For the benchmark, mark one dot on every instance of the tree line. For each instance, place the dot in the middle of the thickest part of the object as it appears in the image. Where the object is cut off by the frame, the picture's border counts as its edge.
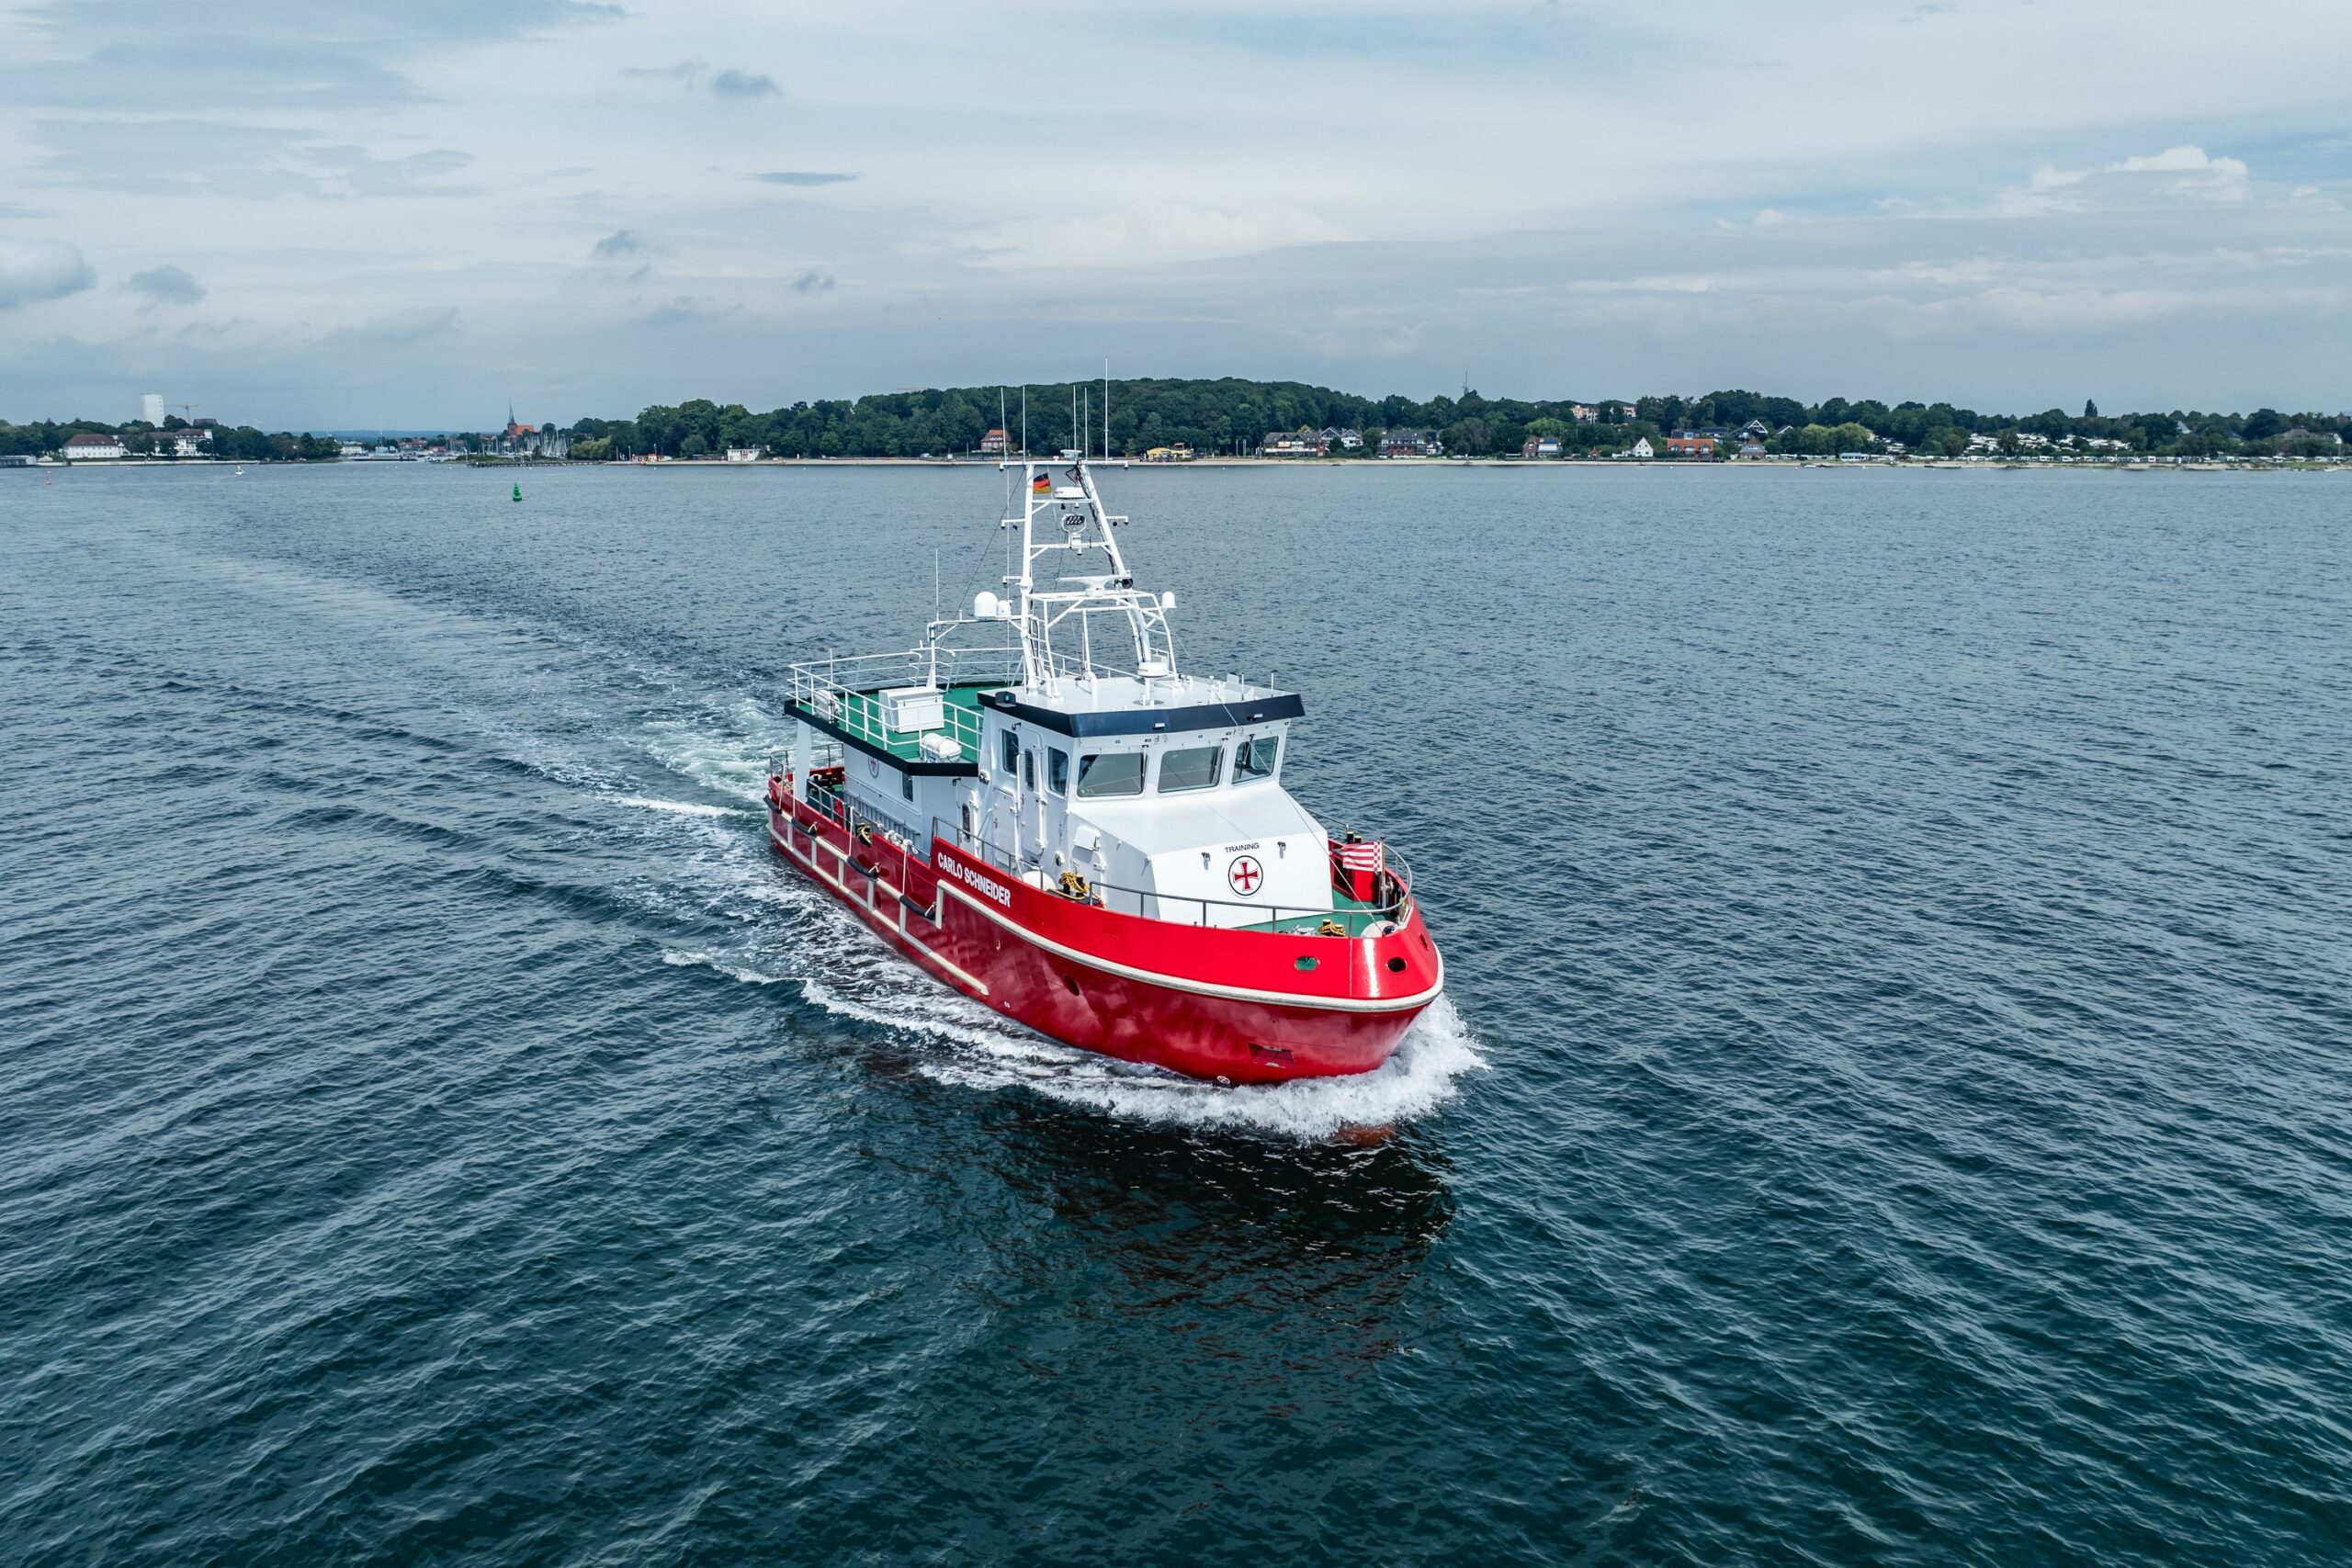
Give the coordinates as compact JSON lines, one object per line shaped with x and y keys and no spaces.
{"x":1232,"y":416}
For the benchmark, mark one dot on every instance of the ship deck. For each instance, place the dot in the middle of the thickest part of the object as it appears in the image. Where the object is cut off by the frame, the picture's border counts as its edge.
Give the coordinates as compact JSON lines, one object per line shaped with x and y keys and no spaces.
{"x":1353,"y":913}
{"x":860,"y":715}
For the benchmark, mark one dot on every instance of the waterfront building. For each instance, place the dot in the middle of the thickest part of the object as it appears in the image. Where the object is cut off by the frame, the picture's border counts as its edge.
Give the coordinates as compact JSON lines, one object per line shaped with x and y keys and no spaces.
{"x":1300,"y":443}
{"x":88,"y":447}
{"x":1540,"y":446}
{"x":1409,"y":442}
{"x":1641,"y":449}
{"x":993,"y":444}
{"x":745,"y":454}
{"x":1691,"y":445}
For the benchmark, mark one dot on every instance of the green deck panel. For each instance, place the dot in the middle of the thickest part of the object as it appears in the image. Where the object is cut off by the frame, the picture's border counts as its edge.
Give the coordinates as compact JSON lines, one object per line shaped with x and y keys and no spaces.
{"x":1354,"y":914}
{"x":861,"y":715}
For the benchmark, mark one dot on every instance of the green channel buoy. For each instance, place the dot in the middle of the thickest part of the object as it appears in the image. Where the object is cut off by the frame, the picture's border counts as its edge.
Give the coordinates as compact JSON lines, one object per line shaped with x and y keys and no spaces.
{"x":519,"y":489}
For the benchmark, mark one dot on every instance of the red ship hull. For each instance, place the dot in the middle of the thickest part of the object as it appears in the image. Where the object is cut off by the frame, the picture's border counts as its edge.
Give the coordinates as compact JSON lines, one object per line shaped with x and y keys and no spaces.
{"x":1214,"y":1003}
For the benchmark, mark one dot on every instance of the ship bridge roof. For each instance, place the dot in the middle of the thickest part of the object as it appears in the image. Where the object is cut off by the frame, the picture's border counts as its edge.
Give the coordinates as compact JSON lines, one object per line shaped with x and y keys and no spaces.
{"x":1215,"y":821}
{"x":1129,"y":705}
{"x":1098,"y":705}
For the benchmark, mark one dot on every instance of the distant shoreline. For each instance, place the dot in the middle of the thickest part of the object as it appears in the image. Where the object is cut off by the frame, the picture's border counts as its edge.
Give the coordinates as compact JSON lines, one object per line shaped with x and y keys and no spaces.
{"x":1423,"y":464}
{"x":1782,"y":464}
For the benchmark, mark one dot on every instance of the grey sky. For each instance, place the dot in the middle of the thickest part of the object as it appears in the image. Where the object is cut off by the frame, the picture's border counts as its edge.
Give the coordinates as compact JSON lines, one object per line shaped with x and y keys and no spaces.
{"x":324,"y":215}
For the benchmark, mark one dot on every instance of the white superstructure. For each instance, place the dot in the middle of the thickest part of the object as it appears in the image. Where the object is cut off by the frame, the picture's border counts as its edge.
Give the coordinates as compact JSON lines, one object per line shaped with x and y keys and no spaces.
{"x":1054,"y":725}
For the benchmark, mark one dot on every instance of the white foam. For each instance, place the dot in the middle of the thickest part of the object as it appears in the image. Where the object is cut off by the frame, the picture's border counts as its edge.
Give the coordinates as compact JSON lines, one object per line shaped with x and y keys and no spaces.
{"x":680,"y":960}
{"x":734,"y":760}
{"x":685,"y":807}
{"x":1419,"y":1078}
{"x":989,"y":1052}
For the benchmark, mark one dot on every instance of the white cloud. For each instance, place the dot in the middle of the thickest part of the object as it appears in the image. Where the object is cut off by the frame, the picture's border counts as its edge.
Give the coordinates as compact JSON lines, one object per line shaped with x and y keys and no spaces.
{"x":2177,"y":173}
{"x":744,"y":84}
{"x":166,"y":285}
{"x":1149,"y":235}
{"x":1204,"y":188}
{"x":33,"y":272}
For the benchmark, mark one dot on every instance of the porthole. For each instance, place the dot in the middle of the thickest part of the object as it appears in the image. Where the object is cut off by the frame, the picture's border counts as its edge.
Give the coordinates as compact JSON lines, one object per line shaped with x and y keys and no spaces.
{"x":1071,"y":984}
{"x":1303,"y":962}
{"x":1396,"y":966}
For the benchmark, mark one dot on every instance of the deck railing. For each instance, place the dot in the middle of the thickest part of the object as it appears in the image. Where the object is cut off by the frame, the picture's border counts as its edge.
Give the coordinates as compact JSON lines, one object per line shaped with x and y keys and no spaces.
{"x":833,"y":800}
{"x":844,"y":692}
{"x":1183,"y":908}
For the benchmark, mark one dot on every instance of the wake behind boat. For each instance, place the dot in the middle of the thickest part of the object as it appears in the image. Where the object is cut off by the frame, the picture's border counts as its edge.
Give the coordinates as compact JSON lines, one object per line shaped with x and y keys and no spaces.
{"x":1037,"y":807}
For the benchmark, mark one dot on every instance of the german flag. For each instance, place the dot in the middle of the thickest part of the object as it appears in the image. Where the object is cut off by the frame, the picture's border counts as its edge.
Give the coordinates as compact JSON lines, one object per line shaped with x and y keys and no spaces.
{"x":1041,"y":485}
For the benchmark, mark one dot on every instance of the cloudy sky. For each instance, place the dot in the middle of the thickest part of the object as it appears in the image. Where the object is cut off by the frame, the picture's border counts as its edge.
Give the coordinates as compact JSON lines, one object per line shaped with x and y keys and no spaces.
{"x":310,"y":214}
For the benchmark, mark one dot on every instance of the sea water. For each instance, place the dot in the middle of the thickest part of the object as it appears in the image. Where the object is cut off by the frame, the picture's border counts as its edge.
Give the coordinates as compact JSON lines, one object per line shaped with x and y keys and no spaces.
{"x":1893,"y":1103}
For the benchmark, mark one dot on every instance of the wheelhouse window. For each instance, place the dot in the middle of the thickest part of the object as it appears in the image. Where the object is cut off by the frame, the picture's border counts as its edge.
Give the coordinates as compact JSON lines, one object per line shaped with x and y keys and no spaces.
{"x":1111,"y":772}
{"x":1057,"y":770}
{"x":1009,"y":748}
{"x":1255,"y":757}
{"x":1197,"y":767}
{"x":1029,"y":771}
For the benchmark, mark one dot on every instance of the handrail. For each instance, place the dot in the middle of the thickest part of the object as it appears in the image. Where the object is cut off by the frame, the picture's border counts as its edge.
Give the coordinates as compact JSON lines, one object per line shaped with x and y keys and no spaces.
{"x":1395,"y":908}
{"x":861,"y":674}
{"x":818,"y":686}
{"x":850,"y":814}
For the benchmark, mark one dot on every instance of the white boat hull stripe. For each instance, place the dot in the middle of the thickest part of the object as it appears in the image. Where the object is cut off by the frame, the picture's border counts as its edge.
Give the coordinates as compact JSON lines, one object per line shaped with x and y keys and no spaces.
{"x":978,"y":985}
{"x":1207,"y":987}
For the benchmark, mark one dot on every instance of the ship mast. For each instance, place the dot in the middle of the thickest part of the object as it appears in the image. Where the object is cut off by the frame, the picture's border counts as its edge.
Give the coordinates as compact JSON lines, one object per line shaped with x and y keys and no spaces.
{"x":1063,"y":521}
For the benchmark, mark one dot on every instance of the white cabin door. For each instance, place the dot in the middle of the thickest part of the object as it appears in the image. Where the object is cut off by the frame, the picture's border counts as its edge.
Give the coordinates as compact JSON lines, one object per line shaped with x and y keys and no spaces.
{"x":1006,"y":829}
{"x":1033,"y":806}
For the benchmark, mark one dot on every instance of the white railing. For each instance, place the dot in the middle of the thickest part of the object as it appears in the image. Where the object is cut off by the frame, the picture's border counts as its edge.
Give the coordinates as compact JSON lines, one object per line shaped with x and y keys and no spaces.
{"x":845,"y":693}
{"x":844,"y":690}
{"x":1395,"y":903}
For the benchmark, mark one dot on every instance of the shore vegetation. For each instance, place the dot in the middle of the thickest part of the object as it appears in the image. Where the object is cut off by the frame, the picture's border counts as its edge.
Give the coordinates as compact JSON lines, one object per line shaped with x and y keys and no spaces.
{"x":1231,"y":417}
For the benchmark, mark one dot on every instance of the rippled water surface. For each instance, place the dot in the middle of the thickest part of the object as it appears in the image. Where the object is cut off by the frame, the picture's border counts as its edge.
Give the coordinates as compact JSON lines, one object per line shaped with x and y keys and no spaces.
{"x":1894,"y":1102}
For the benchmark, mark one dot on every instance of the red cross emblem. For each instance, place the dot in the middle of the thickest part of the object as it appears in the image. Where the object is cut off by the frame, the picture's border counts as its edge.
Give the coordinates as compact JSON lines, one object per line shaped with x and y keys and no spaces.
{"x":1244,"y":875}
